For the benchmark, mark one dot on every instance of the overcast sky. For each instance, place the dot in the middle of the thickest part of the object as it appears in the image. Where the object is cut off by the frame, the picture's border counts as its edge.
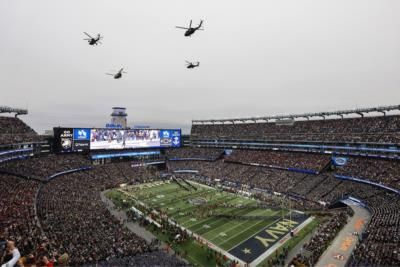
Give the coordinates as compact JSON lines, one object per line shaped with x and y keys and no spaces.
{"x":257,"y":57}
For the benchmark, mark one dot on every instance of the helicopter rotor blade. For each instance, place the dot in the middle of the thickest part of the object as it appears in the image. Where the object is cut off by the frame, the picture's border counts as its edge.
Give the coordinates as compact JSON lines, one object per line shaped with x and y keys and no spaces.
{"x":110,"y":74}
{"x":87,"y":39}
{"x":187,"y":62}
{"x":190,"y":25}
{"x":181,"y":27}
{"x":88,"y":35}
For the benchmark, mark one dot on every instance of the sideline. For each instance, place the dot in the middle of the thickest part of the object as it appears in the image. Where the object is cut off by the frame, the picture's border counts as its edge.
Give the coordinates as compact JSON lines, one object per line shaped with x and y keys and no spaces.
{"x":121,"y":216}
{"x":135,"y":227}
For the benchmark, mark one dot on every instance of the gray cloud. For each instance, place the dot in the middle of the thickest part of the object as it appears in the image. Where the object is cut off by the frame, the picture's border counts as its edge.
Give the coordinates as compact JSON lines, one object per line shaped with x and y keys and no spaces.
{"x":257,"y":58}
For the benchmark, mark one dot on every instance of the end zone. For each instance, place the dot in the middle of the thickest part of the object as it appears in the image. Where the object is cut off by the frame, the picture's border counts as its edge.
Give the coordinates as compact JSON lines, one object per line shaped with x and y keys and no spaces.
{"x":261,"y":245}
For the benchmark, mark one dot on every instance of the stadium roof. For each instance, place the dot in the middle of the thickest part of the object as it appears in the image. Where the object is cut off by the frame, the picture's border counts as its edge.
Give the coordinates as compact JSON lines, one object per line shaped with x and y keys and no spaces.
{"x":18,"y":111}
{"x":341,"y":113}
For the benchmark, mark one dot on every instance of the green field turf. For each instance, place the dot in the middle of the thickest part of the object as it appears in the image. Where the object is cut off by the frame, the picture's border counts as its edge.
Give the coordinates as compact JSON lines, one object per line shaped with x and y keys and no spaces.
{"x":225,"y":233}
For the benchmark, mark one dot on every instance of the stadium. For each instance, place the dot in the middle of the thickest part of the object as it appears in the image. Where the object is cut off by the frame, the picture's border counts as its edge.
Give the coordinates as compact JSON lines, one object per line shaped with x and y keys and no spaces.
{"x":312,"y":189}
{"x":260,"y":133}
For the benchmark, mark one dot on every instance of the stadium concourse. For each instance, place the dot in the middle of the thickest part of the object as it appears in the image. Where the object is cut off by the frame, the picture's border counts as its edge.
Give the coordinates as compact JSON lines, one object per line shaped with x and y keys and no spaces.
{"x":53,"y":209}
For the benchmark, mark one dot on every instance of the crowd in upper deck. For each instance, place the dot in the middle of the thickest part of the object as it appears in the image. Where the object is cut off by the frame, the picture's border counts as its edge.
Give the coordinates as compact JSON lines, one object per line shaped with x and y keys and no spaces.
{"x":381,"y":129}
{"x":13,"y":130}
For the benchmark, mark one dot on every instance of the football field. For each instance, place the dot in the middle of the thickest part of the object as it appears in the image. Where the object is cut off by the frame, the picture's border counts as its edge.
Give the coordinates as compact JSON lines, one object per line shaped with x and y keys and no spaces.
{"x":236,"y":224}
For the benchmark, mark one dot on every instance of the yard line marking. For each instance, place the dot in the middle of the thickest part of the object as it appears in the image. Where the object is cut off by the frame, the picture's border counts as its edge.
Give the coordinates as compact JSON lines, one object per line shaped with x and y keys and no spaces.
{"x":204,"y":220}
{"x":244,"y":230}
{"x":213,"y":221}
{"x":231,"y":228}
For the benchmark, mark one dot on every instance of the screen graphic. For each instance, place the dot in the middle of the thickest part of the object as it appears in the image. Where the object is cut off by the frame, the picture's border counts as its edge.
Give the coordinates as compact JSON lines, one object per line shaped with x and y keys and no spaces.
{"x":85,"y":139}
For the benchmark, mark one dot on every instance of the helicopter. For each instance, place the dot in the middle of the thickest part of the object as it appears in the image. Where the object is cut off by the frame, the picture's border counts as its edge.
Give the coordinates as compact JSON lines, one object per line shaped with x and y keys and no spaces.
{"x":190,"y":30}
{"x":191,"y":65}
{"x":92,"y":40}
{"x":118,"y":74}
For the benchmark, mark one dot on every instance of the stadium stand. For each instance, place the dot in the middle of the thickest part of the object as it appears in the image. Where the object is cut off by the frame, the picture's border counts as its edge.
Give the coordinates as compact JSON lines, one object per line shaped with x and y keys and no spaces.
{"x":35,"y":216}
{"x":194,"y":153}
{"x":301,"y":161}
{"x":156,"y":258}
{"x":68,"y":208}
{"x":382,"y":171}
{"x":87,"y":217}
{"x":43,"y":167}
{"x":13,"y":130}
{"x":18,"y":220}
{"x":380,"y":129}
{"x":380,"y":242}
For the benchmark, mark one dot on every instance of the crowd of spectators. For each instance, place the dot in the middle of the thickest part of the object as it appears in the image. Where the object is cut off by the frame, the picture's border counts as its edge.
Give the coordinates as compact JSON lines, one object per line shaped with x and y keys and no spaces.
{"x":18,"y":220}
{"x":241,"y":167}
{"x":89,"y":234}
{"x":298,"y":160}
{"x":386,"y":172}
{"x":13,"y":130}
{"x":154,"y":259}
{"x":273,"y":180}
{"x":193,"y":153}
{"x":250,"y":177}
{"x":87,"y":221}
{"x":380,"y":129}
{"x":63,"y":221}
{"x":43,"y":167}
{"x":379,"y":244}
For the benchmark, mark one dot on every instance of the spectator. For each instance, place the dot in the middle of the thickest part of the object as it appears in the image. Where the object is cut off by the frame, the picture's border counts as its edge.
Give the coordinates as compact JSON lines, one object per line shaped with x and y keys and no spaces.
{"x":12,"y":255}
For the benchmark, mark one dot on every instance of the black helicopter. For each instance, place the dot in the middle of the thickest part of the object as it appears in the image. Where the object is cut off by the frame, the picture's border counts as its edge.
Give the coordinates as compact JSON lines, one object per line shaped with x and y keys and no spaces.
{"x":118,"y":74}
{"x":190,"y":30}
{"x":92,"y":40}
{"x":191,"y":65}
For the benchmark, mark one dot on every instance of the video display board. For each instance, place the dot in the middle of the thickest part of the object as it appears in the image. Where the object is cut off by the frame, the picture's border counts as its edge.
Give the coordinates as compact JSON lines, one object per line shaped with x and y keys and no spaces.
{"x":71,"y":139}
{"x":85,"y":139}
{"x":133,"y":138}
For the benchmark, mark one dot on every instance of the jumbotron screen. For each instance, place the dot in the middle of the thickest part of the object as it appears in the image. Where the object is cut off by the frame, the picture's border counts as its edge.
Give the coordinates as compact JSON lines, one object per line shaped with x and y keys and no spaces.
{"x":71,"y":139}
{"x":77,"y":140}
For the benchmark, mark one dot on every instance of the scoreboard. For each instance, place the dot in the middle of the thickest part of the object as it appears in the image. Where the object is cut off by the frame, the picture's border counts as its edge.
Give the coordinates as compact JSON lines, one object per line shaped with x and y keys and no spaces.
{"x":71,"y":139}
{"x":85,"y":139}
